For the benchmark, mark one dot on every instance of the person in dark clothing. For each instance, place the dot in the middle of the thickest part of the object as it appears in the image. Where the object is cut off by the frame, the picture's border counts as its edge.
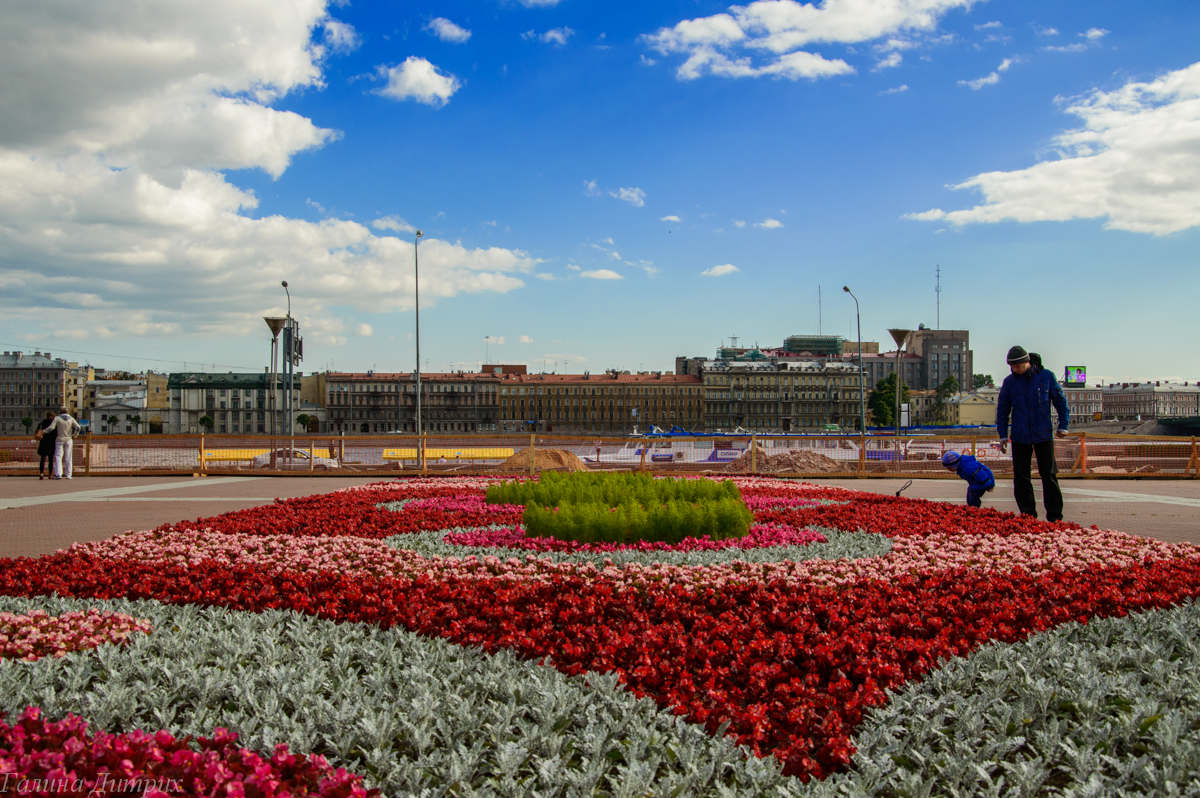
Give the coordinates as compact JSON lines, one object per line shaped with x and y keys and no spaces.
{"x":978,"y":476}
{"x":45,"y":438}
{"x":1026,"y":396}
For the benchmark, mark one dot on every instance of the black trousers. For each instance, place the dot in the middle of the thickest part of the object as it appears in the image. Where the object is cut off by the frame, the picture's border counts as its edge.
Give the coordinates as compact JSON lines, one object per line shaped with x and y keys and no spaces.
{"x":1023,"y":479}
{"x":46,"y":458}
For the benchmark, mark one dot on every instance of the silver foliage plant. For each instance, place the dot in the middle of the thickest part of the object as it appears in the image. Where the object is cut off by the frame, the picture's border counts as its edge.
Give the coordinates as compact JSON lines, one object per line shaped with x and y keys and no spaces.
{"x":1106,"y":708}
{"x":413,"y":715}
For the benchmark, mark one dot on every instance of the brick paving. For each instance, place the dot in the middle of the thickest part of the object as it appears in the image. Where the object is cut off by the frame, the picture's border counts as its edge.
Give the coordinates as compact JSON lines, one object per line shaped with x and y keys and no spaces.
{"x":48,"y":515}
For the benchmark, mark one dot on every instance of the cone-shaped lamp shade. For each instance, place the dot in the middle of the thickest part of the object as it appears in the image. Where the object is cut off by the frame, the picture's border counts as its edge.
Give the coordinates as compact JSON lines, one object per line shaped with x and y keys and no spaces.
{"x":899,"y":335}
{"x":275,"y":323}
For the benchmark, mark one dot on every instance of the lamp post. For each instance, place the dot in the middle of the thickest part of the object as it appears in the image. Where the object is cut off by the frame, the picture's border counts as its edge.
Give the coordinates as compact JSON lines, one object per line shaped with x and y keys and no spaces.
{"x":862,"y":406}
{"x":899,"y":336}
{"x":417,"y":308}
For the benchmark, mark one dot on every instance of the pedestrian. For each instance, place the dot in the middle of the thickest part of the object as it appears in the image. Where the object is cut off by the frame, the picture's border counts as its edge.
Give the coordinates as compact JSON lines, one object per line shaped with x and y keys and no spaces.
{"x":45,"y":440}
{"x":979,"y":477}
{"x":1027,"y":395}
{"x":65,"y":428}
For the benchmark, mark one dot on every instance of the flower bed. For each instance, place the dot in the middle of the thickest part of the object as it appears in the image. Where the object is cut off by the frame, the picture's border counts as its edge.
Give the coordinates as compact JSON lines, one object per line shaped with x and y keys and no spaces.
{"x":789,"y":657}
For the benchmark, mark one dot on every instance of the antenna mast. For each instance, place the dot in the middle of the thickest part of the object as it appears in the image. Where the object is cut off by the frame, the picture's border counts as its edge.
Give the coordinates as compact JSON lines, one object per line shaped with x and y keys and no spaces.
{"x":819,"y":328}
{"x":938,"y":291}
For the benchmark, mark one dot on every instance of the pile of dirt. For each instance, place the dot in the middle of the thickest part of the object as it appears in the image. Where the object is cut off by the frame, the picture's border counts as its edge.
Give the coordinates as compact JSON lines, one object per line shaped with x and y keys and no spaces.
{"x":543,"y":460}
{"x":801,"y":461}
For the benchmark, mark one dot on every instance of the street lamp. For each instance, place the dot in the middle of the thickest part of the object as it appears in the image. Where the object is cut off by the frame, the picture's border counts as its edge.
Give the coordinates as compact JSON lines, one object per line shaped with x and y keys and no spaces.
{"x":862,"y":406}
{"x":899,"y":336}
{"x":417,"y":307}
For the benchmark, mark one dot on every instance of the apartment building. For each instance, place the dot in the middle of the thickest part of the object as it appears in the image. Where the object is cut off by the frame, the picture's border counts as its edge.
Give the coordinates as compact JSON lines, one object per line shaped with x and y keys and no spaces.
{"x":235,"y":403}
{"x":30,"y":385}
{"x":782,"y":395}
{"x":371,"y":403}
{"x":1150,"y":400}
{"x":1084,"y":403}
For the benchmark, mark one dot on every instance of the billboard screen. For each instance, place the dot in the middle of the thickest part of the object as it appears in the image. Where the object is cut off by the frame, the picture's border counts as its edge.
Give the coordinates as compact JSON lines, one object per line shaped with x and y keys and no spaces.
{"x":1076,"y":375}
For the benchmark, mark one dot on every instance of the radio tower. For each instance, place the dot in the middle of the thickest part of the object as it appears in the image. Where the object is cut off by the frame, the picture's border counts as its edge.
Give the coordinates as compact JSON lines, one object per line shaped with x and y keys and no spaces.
{"x":938,"y":291}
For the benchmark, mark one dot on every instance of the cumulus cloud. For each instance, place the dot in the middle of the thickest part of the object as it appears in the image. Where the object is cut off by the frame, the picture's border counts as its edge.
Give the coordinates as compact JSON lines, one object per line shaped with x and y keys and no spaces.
{"x":1134,"y":162}
{"x":896,"y":90}
{"x":769,"y":224}
{"x":420,"y":80}
{"x":671,"y":218}
{"x":556,"y":36}
{"x":590,"y":189}
{"x":738,"y":223}
{"x":1078,"y":47}
{"x":525,"y":339}
{"x":634,"y":196}
{"x":1095,"y":34}
{"x":720,"y":271}
{"x":363,"y":331}
{"x":986,"y":25}
{"x":601,"y":274}
{"x":447,"y":31}
{"x":114,"y":131}
{"x":774,"y":30}
{"x":393,"y":223}
{"x":893,"y":59}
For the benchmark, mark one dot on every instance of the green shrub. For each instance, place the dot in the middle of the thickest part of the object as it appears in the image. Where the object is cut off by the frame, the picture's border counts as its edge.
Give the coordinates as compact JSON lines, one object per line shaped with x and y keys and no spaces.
{"x":626,"y":508}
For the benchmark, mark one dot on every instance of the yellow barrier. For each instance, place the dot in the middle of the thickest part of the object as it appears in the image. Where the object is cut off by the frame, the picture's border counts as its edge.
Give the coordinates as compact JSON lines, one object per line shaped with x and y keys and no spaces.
{"x":434,"y":455}
{"x":236,"y":455}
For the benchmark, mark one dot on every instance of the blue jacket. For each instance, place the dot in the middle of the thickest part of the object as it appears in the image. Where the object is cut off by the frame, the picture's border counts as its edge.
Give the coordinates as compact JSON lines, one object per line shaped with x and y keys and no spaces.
{"x":975,"y":472}
{"x":1027,"y":398}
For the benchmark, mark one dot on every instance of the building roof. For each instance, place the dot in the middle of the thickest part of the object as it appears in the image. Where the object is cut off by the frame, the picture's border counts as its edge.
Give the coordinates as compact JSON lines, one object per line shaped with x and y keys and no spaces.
{"x":1151,"y":387}
{"x":231,"y":379}
{"x":607,"y":377}
{"x":20,"y":360}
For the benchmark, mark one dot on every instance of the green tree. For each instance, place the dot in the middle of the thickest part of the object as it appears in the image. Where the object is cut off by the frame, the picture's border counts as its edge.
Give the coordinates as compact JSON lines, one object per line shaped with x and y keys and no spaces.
{"x":303,"y":421}
{"x":137,"y":423}
{"x":27,"y":422}
{"x":982,"y":381}
{"x":206,"y":423}
{"x":882,"y":400}
{"x":941,"y":400}
{"x":112,"y":422}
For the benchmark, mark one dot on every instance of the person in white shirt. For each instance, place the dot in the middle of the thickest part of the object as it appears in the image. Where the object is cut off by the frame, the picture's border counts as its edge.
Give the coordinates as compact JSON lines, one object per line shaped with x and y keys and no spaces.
{"x":65,"y":428}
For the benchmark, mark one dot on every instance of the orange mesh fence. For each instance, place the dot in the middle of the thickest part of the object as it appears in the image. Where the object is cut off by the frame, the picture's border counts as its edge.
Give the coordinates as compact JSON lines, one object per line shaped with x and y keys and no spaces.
{"x":1079,"y":455}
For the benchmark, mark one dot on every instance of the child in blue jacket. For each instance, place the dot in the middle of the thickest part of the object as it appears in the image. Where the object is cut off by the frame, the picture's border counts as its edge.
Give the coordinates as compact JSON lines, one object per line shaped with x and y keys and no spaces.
{"x":979,"y":477}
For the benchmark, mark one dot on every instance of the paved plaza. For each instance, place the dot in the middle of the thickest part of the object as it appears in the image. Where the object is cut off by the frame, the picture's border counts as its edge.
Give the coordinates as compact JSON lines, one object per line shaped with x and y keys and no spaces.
{"x":41,"y":516}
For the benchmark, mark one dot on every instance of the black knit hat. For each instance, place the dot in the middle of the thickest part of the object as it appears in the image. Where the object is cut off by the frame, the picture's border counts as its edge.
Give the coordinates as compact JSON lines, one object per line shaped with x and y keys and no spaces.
{"x":1017,"y":355}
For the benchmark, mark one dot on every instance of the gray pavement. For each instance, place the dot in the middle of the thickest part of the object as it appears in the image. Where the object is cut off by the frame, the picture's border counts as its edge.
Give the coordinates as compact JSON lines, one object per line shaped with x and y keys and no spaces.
{"x":39,"y":517}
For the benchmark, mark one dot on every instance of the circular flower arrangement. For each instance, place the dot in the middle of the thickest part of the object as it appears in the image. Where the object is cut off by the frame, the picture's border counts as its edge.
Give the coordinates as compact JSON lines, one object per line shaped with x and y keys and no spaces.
{"x":408,"y":636}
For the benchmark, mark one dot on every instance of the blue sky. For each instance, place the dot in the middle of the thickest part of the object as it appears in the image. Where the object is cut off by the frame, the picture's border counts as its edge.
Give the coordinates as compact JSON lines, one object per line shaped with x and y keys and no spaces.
{"x":599,"y":189}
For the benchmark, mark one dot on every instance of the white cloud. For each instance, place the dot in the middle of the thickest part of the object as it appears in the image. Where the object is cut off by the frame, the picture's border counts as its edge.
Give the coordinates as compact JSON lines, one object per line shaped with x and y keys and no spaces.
{"x":723,"y":44}
{"x":340,"y":37}
{"x":113,"y":129}
{"x":313,"y":203}
{"x":769,"y":224}
{"x":601,"y":274}
{"x":893,"y":59}
{"x":364,"y":331}
{"x":1066,"y":48}
{"x":1046,"y":31}
{"x":492,"y":223}
{"x":525,"y":339}
{"x":986,"y":25}
{"x":1134,"y":162}
{"x":608,"y":241}
{"x":544,"y":275}
{"x":648,"y":267}
{"x":447,"y":31}
{"x":420,"y":80}
{"x":393,"y":223}
{"x":977,"y":84}
{"x":1007,"y":63}
{"x":494,"y":339}
{"x":671,"y":218}
{"x":556,"y":36}
{"x":634,"y":196}
{"x":737,"y":223}
{"x":539,"y":3}
{"x":590,"y":189}
{"x":573,"y":267}
{"x":720,"y":271}
{"x":896,"y":89}
{"x":1095,"y":34}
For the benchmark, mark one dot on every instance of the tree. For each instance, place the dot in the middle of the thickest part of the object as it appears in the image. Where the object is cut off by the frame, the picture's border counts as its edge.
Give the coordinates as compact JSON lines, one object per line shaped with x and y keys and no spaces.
{"x":112,"y":422}
{"x":982,"y":381}
{"x":945,"y":390}
{"x":27,"y":422}
{"x":303,"y":420}
{"x":206,"y":423}
{"x":137,"y":423}
{"x":882,"y":400}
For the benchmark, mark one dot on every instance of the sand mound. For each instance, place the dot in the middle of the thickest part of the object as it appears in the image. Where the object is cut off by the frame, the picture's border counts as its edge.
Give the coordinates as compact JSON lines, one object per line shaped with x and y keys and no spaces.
{"x":544,"y":460}
{"x":802,"y":461}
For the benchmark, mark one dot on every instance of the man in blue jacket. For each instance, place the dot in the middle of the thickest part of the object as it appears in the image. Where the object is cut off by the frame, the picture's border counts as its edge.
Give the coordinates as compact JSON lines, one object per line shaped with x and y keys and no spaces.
{"x":1026,"y":395}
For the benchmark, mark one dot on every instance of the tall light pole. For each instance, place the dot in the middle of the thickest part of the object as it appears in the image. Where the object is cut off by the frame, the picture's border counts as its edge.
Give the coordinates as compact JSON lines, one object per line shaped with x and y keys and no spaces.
{"x":862,"y":405}
{"x":417,"y":307}
{"x":899,"y":336}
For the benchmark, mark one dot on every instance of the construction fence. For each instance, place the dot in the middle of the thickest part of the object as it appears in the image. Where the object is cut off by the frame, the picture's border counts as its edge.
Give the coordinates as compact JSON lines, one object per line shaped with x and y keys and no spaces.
{"x":1080,"y":455}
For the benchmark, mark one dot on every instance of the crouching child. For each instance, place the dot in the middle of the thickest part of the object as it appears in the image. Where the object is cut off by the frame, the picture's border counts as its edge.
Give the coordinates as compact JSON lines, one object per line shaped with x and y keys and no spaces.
{"x":979,"y":477}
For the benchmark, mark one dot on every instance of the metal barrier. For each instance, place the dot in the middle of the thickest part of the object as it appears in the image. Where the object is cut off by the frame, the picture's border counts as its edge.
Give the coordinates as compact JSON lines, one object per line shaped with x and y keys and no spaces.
{"x":1081,"y":455}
